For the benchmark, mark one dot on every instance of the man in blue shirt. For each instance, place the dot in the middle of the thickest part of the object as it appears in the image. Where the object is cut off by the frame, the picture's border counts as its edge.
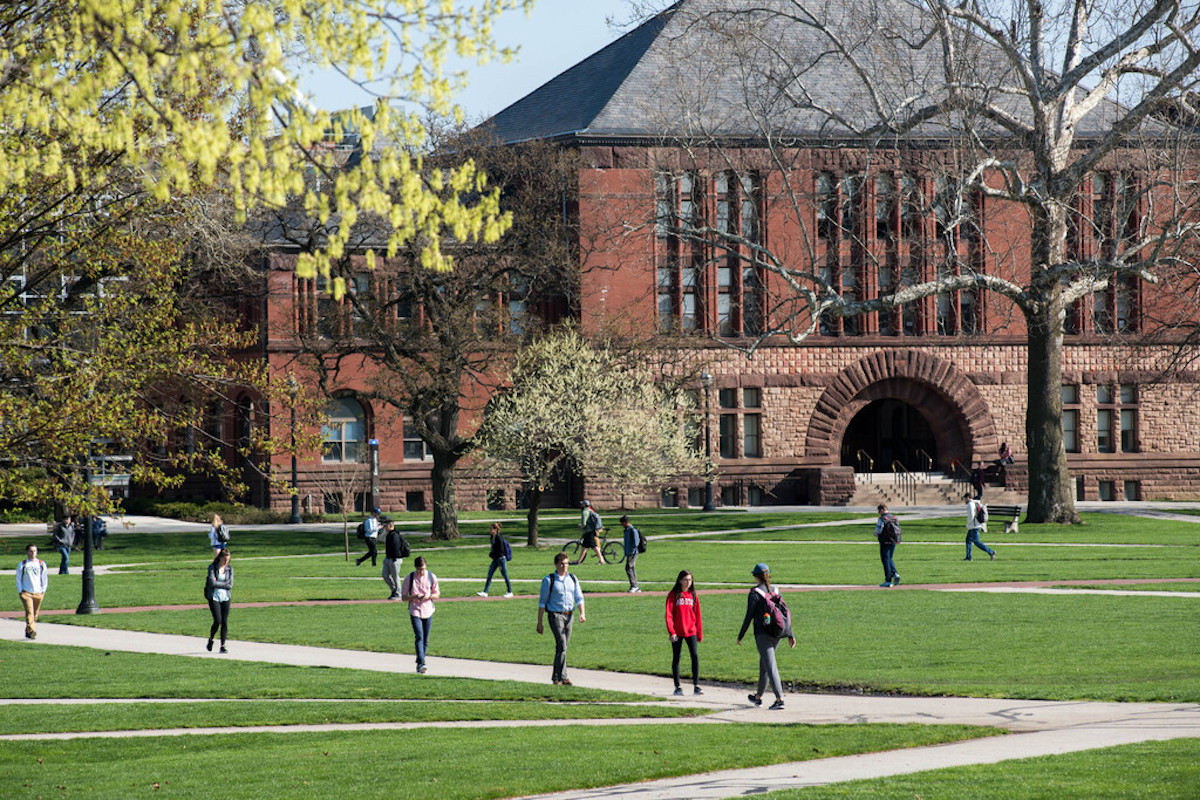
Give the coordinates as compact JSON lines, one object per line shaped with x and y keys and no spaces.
{"x":560,"y":595}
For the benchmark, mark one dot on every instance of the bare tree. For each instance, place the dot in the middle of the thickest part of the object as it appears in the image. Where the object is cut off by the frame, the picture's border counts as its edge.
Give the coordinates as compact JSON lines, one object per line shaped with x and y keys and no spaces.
{"x":429,"y":344}
{"x":971,"y":138}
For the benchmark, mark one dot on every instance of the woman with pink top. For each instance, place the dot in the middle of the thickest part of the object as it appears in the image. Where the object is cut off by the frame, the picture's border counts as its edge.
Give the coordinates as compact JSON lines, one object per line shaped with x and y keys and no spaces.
{"x":419,"y":589}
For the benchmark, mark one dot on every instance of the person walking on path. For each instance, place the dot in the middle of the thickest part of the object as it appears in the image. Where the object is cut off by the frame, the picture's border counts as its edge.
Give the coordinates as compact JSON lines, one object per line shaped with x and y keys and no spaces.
{"x":218,"y":591}
{"x":33,"y":578}
{"x":559,"y":596}
{"x":371,"y":537}
{"x":761,"y":602}
{"x":591,"y":525}
{"x":218,"y":535}
{"x":976,"y":522}
{"x":684,"y":625}
{"x":977,"y":481}
{"x":395,"y":550}
{"x":99,"y":531}
{"x":631,"y":539}
{"x":500,"y":554}
{"x":887,"y":531}
{"x":64,"y":538}
{"x":419,"y":590}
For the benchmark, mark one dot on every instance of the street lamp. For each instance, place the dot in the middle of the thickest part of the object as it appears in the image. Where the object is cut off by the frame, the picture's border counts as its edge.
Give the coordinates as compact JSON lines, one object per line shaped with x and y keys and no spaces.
{"x":295,"y":519}
{"x":87,"y":602}
{"x":707,"y":380}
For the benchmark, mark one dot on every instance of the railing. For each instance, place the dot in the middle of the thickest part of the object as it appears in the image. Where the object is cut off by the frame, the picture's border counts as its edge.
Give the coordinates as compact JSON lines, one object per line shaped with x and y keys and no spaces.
{"x":906,"y":483}
{"x":926,"y":461}
{"x":961,"y":477}
{"x":866,"y":465}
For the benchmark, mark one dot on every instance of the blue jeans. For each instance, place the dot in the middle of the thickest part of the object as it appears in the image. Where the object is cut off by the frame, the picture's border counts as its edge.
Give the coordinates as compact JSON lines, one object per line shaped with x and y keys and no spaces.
{"x":500,"y":562}
{"x":886,"y":549}
{"x":421,"y":637}
{"x":973,"y":539}
{"x":64,"y":565}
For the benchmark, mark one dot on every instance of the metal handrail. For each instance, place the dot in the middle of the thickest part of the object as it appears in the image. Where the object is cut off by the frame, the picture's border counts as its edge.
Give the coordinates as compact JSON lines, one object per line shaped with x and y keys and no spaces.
{"x":864,"y":457}
{"x":928,"y":461}
{"x":960,"y":483}
{"x":906,"y":482}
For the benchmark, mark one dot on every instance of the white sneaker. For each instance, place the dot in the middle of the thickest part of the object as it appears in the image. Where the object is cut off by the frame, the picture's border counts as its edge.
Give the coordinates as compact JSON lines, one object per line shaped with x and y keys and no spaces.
{"x":482,"y":594}
{"x":510,"y":594}
{"x":634,"y":590}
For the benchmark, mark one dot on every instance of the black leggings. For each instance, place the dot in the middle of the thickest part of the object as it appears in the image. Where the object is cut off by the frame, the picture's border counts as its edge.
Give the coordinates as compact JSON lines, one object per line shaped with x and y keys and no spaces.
{"x":220,"y":615}
{"x":676,"y":649}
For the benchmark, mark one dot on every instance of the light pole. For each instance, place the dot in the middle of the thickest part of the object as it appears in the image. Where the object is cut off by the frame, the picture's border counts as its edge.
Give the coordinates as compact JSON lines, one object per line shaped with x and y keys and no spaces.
{"x":87,"y":601}
{"x":295,"y":519}
{"x":707,"y":380}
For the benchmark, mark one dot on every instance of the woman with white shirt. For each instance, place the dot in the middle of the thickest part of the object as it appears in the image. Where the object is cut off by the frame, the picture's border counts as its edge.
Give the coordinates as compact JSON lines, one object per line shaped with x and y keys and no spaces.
{"x":217,"y":591}
{"x":419,"y":589}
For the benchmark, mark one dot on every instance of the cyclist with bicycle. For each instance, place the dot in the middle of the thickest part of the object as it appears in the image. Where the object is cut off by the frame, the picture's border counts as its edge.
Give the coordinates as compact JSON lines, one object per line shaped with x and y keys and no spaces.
{"x":591,"y":525}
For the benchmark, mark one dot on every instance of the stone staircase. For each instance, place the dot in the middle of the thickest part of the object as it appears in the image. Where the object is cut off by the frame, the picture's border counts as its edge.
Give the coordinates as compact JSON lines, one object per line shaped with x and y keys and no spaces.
{"x":932,"y":489}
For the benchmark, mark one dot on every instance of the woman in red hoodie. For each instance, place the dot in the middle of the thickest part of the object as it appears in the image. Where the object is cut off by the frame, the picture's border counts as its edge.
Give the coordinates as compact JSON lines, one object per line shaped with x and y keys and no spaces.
{"x":683,"y":625}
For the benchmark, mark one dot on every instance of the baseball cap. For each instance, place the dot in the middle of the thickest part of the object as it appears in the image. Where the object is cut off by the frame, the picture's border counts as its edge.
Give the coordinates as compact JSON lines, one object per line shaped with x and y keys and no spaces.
{"x":760,"y":569}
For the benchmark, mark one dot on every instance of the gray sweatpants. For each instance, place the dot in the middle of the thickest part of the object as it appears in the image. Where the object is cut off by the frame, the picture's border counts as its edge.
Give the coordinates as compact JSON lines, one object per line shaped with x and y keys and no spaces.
{"x":766,"y":664}
{"x":631,"y":569}
{"x":560,"y":629}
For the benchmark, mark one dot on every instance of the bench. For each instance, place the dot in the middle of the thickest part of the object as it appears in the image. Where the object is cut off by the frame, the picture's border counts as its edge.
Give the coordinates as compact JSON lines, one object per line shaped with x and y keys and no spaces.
{"x":1010,"y":513}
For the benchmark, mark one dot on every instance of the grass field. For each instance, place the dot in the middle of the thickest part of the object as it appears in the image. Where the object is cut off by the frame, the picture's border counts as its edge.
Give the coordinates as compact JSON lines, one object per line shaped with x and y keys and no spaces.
{"x":446,"y":763}
{"x":1146,"y":771}
{"x":914,"y":641}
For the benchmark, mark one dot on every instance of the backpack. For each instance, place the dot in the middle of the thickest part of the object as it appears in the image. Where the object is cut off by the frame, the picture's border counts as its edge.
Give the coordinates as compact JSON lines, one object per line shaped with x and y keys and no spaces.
{"x":223,"y":533}
{"x":641,"y":545}
{"x":595,"y":522}
{"x":981,"y":514}
{"x":777,"y":617}
{"x":891,"y":530}
{"x":507,"y":549}
{"x":404,"y":548}
{"x":361,"y":530}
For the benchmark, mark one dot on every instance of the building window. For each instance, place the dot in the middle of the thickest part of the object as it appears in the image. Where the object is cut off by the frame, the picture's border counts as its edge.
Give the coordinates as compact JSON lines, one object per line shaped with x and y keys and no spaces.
{"x":415,"y":448}
{"x":827,"y":206}
{"x":680,"y":253}
{"x":740,"y":423}
{"x":1107,"y":490}
{"x":728,"y":436}
{"x":752,"y":435}
{"x":669,"y":498}
{"x":1133,"y":490}
{"x":345,"y":431}
{"x":740,"y":286}
{"x":1070,"y":417}
{"x":1116,"y":418}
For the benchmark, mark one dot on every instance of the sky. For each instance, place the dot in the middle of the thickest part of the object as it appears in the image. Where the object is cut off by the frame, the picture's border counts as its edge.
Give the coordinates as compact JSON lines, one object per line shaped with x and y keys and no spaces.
{"x":556,"y":35}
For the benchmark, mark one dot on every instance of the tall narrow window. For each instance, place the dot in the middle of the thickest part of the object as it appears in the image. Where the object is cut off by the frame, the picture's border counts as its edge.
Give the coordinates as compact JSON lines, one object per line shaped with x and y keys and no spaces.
{"x":827,"y":206}
{"x":680,"y":258}
{"x":751,"y":423}
{"x":1070,"y":417}
{"x":885,"y":207}
{"x":415,"y":448}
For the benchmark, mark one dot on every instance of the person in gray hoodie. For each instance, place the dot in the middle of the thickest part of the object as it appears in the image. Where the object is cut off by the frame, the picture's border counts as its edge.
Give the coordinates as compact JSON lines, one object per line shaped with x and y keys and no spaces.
{"x":218,"y":589}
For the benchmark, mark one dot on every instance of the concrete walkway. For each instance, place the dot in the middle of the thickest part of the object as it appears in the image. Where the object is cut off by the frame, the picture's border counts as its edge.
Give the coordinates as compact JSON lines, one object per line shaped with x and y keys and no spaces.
{"x":1037,"y":727}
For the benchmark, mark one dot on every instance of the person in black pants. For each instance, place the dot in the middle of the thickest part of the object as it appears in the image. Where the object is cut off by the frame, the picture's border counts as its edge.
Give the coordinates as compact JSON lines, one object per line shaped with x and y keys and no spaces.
{"x":217,"y":591}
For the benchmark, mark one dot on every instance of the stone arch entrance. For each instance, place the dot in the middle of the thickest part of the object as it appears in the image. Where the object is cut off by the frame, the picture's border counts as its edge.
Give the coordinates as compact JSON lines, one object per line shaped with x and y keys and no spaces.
{"x":890,"y":431}
{"x":921,"y":393}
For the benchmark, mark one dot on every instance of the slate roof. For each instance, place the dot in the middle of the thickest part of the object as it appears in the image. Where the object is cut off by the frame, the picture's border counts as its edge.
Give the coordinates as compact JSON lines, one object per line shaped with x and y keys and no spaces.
{"x":675,"y":75}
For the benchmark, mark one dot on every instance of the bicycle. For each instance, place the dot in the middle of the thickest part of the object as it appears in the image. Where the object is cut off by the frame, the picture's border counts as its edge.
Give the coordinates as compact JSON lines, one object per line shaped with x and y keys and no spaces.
{"x":613,"y":552}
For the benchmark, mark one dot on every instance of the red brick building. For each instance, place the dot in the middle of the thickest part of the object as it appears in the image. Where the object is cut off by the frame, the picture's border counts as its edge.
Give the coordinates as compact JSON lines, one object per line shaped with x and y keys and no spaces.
{"x":938,"y":380}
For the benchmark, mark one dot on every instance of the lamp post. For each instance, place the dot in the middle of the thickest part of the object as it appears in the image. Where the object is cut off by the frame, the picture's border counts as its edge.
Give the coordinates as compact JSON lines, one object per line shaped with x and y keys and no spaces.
{"x":87,"y":601}
{"x":707,"y":380}
{"x":295,"y":519}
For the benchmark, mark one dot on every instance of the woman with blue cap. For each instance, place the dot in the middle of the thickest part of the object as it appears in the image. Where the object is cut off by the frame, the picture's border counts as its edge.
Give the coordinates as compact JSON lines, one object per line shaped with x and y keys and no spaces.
{"x":772,"y":623}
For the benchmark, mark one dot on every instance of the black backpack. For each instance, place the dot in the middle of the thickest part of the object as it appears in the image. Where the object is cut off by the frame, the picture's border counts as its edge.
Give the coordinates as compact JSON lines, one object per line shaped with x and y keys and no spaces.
{"x":981,"y":514}
{"x":361,"y":530}
{"x":404,"y":548}
{"x":223,"y":533}
{"x":641,"y":545}
{"x":891,"y":530}
{"x":777,"y":617}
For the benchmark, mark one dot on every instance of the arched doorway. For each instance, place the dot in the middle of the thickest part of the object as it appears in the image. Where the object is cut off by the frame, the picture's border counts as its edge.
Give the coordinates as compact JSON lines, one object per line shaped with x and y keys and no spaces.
{"x":890,"y":430}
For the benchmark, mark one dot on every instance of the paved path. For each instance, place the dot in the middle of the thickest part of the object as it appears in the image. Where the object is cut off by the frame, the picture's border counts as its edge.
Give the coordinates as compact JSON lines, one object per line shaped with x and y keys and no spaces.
{"x":1038,"y":727}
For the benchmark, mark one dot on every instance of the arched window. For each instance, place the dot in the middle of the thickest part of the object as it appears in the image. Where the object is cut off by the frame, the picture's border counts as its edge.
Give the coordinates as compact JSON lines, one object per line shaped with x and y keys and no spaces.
{"x":345,"y":431}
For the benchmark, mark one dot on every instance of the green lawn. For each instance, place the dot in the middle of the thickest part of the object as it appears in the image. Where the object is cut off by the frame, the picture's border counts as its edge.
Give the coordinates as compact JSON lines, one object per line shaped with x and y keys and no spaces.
{"x":240,"y":713}
{"x":441,"y":763}
{"x":1150,"y":770}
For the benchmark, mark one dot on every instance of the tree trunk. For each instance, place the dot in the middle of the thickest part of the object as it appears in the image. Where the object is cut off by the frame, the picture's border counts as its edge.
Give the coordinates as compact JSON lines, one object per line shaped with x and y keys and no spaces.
{"x":445,"y":511}
{"x":1051,"y":494}
{"x":535,"y":504}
